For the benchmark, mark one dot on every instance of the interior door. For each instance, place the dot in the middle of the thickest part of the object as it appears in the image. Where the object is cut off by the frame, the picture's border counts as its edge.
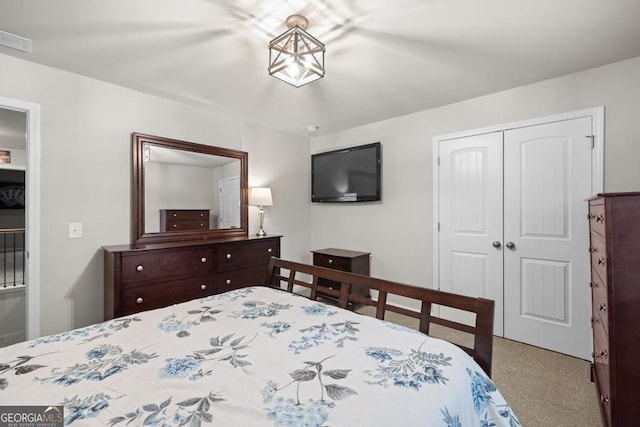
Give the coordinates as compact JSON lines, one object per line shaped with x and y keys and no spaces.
{"x":547,"y":171}
{"x":470,"y":254}
{"x":230,"y":202}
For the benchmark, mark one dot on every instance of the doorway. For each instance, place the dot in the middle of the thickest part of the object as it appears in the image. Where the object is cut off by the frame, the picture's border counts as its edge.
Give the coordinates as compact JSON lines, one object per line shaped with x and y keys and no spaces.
{"x":229,"y":202}
{"x":512,"y":225}
{"x":31,"y":132}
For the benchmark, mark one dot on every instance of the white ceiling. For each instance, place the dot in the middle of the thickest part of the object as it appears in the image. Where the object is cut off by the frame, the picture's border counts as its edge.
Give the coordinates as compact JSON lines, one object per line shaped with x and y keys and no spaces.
{"x":384,"y":58}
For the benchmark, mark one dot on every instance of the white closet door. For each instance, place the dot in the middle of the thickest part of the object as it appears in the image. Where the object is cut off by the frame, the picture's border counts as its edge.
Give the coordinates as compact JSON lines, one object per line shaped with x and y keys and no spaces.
{"x":471,"y":220}
{"x":547,"y":171}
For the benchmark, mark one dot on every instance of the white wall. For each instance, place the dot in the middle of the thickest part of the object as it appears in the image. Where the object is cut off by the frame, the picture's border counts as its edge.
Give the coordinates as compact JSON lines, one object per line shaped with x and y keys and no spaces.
{"x":398,"y":231}
{"x":86,"y":173}
{"x":281,"y":162}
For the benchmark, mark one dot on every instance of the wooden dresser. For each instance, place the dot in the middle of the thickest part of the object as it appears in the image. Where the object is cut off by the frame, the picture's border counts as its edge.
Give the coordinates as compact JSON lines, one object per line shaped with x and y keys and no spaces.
{"x":184,"y":219}
{"x":345,"y":260}
{"x":143,"y":277}
{"x":614,"y":220}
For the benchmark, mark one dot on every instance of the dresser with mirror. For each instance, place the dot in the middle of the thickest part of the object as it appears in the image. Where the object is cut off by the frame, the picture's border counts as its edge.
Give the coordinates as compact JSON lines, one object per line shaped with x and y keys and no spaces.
{"x":174,"y":258}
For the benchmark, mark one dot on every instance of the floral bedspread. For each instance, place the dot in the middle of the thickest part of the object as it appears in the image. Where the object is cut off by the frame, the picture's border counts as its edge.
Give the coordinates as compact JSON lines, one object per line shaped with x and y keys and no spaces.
{"x":251,"y":357}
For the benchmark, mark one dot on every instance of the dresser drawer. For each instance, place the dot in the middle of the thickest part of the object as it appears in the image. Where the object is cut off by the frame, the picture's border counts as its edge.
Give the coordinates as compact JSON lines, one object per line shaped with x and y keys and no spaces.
{"x":234,"y":256}
{"x":597,"y":219}
{"x":190,"y":224}
{"x":235,"y":279}
{"x":598,"y":258}
{"x":147,"y":297}
{"x":187,"y":215}
{"x":599,"y":302}
{"x":142,"y":267}
{"x":601,"y":353}
{"x":604,"y":391}
{"x":328,"y":261}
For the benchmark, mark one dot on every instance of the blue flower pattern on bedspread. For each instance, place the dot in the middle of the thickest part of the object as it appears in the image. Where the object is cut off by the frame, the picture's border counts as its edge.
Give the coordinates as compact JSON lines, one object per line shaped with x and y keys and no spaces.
{"x":89,"y":333}
{"x":253,"y":356}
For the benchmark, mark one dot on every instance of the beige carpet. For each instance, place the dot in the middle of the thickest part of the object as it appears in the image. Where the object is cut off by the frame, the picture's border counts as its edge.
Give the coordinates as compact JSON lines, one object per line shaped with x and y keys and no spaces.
{"x":542,"y":387}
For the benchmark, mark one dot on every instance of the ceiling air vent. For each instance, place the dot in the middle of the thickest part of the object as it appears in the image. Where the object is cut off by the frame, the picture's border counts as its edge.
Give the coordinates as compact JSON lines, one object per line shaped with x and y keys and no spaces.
{"x":15,"y":42}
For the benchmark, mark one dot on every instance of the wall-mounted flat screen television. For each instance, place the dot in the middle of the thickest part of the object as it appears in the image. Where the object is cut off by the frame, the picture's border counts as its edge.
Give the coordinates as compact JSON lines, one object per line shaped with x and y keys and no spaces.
{"x":348,"y":175}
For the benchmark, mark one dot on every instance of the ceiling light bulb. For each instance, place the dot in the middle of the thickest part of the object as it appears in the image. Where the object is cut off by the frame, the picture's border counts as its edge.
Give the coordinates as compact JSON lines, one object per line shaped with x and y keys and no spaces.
{"x":293,"y":70}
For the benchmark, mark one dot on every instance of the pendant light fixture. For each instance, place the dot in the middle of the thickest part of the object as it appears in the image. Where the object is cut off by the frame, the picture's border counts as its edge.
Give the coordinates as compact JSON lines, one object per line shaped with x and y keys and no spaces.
{"x":295,"y":56}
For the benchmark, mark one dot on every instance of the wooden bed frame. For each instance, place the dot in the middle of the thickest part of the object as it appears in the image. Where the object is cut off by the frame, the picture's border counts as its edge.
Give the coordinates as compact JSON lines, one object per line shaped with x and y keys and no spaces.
{"x":286,"y":272}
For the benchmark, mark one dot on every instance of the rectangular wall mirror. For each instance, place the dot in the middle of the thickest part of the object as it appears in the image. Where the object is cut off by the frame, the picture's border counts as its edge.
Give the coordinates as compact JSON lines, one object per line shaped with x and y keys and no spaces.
{"x":184,"y":191}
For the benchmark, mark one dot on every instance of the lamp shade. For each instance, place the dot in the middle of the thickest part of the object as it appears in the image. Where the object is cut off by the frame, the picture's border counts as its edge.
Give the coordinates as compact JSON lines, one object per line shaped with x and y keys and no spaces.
{"x":260,"y":196}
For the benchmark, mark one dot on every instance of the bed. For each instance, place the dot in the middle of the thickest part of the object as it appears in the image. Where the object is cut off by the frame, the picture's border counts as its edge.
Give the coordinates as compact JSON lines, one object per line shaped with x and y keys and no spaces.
{"x":265,"y":356}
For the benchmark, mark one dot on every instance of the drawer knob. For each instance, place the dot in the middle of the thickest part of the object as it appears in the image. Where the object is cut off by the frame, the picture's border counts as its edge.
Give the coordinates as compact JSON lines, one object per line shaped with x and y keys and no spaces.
{"x":175,"y":215}
{"x":600,"y":218}
{"x":330,"y":261}
{"x":594,"y":319}
{"x":203,"y":286}
{"x":603,"y":353}
{"x":593,"y":250}
{"x":593,"y":284}
{"x":139,"y":268}
{"x":175,"y":225}
{"x":203,"y":259}
{"x":228,"y":281}
{"x":269,"y":250}
{"x":202,"y":225}
{"x":602,"y":261}
{"x":228,"y":256}
{"x":201,"y":215}
{"x":604,"y":399}
{"x":139,"y":300}
{"x":603,"y":307}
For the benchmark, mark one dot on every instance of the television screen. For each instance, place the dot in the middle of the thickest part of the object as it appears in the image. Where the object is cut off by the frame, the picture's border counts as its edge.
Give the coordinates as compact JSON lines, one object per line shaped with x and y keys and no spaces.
{"x":347,"y":175}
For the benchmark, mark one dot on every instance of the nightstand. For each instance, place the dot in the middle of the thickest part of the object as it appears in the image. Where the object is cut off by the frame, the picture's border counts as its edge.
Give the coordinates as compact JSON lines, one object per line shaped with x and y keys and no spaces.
{"x":344,"y":260}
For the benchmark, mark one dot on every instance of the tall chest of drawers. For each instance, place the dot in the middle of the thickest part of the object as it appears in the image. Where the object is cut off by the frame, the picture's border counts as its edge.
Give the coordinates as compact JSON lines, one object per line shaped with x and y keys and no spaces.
{"x":145,"y":277}
{"x":614,"y":220}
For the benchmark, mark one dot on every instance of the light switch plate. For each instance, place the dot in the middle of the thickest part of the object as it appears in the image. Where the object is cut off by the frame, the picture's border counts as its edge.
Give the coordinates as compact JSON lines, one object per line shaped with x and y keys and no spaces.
{"x":75,"y":230}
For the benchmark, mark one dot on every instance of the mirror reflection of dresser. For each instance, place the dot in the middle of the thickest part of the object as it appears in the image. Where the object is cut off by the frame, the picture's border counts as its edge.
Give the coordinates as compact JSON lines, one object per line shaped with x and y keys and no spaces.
{"x":184,"y":219}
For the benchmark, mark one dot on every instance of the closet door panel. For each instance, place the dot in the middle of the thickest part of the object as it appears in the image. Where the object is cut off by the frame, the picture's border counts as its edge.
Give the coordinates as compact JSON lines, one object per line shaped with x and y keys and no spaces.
{"x":547,"y":178}
{"x":471,"y":220}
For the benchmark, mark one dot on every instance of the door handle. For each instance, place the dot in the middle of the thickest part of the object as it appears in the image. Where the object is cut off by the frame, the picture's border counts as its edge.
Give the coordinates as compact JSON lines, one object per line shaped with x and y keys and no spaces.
{"x":510,"y":245}
{"x":496,"y":244}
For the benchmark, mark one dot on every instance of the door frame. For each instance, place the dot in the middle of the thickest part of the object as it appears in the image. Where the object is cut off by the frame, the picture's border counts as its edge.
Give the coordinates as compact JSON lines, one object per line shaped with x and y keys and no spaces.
{"x":597,"y":161}
{"x":32,"y":186}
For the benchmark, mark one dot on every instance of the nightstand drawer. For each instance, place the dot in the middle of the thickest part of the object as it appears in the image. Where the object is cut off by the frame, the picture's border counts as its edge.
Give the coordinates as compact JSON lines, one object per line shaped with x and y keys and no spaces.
{"x":234,"y":256}
{"x":142,"y":267}
{"x":328,"y":261}
{"x":148,"y":297}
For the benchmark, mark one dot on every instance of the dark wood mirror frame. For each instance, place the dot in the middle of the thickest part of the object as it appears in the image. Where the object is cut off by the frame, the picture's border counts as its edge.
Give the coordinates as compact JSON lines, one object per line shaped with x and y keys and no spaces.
{"x":138,"y":234}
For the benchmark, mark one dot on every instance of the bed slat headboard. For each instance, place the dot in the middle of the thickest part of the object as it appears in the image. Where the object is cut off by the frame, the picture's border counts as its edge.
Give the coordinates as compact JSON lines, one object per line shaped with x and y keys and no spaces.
{"x":289,"y":273}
